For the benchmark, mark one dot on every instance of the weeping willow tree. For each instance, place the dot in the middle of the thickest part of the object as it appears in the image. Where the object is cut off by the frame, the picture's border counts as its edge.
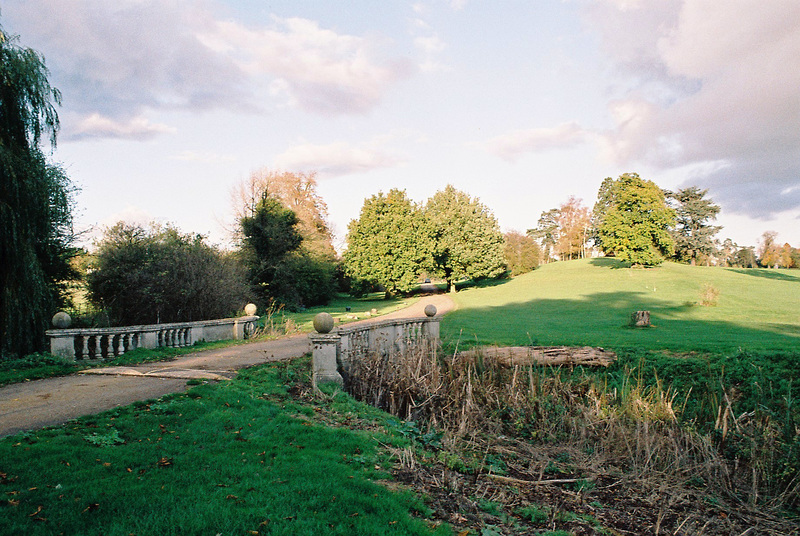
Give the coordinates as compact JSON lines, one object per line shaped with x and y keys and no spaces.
{"x":35,"y":202}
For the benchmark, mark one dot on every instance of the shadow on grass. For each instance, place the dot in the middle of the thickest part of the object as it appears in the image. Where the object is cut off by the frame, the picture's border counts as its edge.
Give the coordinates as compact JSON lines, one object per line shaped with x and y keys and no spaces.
{"x":609,"y":262}
{"x":603,"y":319}
{"x":767,"y":273}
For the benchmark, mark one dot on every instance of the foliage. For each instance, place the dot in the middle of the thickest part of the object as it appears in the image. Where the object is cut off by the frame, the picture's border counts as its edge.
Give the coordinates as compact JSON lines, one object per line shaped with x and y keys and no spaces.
{"x":389,"y":244}
{"x":35,"y":202}
{"x":773,"y":255}
{"x":635,"y":225}
{"x":285,"y":240}
{"x":745,"y":258}
{"x":298,"y":193}
{"x":521,"y":252}
{"x":769,"y":253}
{"x":467,"y":242}
{"x":692,"y":234}
{"x":147,"y":276}
{"x":546,"y":231}
{"x":573,"y":230}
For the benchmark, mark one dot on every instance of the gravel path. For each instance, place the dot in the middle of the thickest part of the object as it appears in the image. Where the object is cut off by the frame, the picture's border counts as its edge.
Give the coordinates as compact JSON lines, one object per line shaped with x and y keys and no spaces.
{"x":53,"y":401}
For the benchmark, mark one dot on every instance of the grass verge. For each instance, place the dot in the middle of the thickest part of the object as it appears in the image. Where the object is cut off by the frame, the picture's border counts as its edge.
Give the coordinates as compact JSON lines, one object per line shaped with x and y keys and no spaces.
{"x":238,"y":457}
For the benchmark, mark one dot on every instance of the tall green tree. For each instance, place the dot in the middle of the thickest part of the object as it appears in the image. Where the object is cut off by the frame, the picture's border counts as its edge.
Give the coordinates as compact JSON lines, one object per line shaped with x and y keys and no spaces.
{"x":467,"y":242}
{"x":35,"y":202}
{"x":693,"y":235}
{"x":389,"y":244}
{"x":636,"y":221}
{"x":268,"y":236}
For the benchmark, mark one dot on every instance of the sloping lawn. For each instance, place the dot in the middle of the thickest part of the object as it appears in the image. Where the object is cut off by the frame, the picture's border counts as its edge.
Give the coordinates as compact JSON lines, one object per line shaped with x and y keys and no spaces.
{"x":589,"y":302}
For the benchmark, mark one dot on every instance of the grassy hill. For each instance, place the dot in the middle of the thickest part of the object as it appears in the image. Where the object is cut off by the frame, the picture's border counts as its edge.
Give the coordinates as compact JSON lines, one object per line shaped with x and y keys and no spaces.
{"x":589,"y":302}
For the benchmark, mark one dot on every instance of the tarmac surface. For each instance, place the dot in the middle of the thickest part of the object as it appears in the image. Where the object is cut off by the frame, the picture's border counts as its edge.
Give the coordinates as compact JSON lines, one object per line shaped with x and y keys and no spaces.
{"x":53,"y":401}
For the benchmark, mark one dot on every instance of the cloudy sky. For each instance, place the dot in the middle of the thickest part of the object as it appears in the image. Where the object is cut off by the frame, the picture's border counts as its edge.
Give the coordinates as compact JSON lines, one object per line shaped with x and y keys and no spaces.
{"x":167,"y":104}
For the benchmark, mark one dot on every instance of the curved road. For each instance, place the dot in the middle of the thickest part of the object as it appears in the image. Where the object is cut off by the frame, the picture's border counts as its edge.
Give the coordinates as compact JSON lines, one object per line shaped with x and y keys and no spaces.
{"x":53,"y":401}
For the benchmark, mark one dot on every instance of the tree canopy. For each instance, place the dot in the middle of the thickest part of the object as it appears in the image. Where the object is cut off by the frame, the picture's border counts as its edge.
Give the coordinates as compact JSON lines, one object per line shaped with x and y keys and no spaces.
{"x":467,"y":242}
{"x":36,"y":234}
{"x":284,"y":238}
{"x":693,"y":235}
{"x":296,"y":191}
{"x":389,"y":244}
{"x":522,"y":252}
{"x":634,"y":221}
{"x":158,"y":274}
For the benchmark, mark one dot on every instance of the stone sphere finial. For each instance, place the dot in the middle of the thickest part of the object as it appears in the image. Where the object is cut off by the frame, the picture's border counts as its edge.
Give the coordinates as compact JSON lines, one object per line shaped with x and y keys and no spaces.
{"x":323,"y":323}
{"x":61,"y":320}
{"x":250,"y":309}
{"x":430,"y":310}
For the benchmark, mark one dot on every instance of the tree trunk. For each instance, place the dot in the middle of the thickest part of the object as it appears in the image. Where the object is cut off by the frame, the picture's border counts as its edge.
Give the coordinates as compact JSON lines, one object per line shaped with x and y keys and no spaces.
{"x":544,"y":355}
{"x":640,"y":319}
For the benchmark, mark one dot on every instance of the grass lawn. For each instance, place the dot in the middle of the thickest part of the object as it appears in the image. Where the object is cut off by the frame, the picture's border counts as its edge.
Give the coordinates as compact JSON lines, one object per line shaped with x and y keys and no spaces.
{"x":235,"y":458}
{"x":589,"y":302}
{"x":360,"y":308}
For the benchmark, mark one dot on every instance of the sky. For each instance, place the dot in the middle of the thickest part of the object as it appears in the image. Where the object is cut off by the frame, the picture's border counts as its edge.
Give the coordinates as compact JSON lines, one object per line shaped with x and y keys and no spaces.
{"x":167,"y":105}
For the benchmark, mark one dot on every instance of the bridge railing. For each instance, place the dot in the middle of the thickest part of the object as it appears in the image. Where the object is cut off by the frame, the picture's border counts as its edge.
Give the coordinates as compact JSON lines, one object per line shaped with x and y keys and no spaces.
{"x":334,"y":351}
{"x":104,"y":343}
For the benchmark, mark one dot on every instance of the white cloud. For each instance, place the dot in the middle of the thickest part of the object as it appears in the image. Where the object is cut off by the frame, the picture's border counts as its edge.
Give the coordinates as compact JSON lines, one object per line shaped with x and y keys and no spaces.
{"x":713,"y":83}
{"x":98,"y":126}
{"x":118,"y":59}
{"x":336,"y":159}
{"x":515,"y":144}
{"x":318,"y":69}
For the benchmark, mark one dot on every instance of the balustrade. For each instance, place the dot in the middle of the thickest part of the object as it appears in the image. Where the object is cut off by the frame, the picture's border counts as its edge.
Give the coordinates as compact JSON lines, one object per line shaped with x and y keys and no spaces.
{"x":333,"y":352}
{"x":106,"y":343}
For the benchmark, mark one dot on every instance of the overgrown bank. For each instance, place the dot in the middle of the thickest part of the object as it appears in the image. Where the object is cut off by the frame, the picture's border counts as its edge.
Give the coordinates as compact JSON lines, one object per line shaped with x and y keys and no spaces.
{"x":623,"y":450}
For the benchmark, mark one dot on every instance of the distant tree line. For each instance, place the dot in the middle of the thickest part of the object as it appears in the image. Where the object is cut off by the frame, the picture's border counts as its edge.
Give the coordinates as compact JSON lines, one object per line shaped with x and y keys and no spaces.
{"x":638,"y":222}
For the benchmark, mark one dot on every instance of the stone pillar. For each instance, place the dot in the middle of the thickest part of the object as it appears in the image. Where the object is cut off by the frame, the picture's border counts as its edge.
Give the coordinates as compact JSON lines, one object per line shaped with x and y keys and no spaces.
{"x":325,"y":347}
{"x":62,"y":345}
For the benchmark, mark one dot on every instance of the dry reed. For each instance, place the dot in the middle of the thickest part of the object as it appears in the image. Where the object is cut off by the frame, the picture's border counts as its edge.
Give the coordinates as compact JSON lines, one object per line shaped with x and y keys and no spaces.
{"x":634,"y":429}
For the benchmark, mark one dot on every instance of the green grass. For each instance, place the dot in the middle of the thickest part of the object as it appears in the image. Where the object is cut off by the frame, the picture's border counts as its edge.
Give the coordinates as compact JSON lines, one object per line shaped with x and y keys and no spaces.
{"x":235,"y":458}
{"x":589,"y":302}
{"x":360,"y":308}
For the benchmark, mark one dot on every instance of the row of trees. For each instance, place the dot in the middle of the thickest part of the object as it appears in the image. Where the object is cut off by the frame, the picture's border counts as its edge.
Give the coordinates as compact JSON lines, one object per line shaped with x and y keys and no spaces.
{"x":638,"y":222}
{"x":139,"y":275}
{"x":395,"y":240}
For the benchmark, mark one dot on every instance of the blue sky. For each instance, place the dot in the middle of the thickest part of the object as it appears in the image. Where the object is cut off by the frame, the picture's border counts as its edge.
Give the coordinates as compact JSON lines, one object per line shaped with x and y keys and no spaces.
{"x":168,"y":104}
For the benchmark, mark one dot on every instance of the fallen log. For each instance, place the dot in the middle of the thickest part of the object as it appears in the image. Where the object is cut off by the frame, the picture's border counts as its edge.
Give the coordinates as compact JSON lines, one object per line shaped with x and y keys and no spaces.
{"x":544,"y":355}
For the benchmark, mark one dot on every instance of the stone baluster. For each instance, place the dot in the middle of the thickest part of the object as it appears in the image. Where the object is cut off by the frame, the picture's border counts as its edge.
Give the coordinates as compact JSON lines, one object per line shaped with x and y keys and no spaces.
{"x":120,"y":344}
{"x":85,"y":347}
